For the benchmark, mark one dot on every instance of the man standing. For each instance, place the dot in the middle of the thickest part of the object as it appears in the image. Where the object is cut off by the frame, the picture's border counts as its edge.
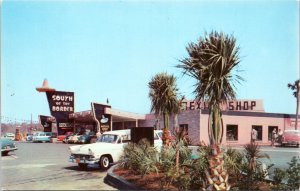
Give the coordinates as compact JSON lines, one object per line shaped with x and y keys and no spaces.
{"x":253,"y":135}
{"x":273,"y":137}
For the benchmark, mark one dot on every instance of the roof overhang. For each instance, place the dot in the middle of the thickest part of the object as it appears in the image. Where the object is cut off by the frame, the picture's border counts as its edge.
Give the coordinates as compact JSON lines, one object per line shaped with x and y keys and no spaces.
{"x":120,"y":116}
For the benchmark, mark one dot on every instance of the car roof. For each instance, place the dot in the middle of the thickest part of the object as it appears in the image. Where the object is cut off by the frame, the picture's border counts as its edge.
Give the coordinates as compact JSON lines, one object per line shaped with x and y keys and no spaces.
{"x":292,"y":130}
{"x":118,"y":132}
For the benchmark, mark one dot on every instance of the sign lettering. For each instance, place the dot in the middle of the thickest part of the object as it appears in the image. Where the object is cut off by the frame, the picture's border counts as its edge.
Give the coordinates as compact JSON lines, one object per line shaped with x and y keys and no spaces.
{"x":237,"y":105}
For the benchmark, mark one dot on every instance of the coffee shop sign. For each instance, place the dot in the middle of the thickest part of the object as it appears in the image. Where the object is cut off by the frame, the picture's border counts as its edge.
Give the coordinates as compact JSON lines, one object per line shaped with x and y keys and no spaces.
{"x":237,"y":105}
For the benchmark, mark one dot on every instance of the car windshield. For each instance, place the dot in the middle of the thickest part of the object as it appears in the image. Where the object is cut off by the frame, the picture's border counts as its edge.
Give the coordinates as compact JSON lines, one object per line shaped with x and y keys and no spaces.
{"x":107,"y":138}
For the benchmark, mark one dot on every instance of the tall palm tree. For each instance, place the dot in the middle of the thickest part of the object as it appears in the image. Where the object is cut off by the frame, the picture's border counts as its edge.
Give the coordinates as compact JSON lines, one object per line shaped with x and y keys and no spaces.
{"x":211,"y":62}
{"x":296,"y":92}
{"x":164,"y":100}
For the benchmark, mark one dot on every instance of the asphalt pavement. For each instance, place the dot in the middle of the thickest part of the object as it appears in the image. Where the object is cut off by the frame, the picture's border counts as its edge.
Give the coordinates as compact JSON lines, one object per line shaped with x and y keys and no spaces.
{"x":45,"y":166}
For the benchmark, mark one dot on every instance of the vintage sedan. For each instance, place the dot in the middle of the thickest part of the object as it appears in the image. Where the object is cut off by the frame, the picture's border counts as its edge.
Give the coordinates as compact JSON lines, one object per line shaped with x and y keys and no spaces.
{"x":290,"y":137}
{"x":9,"y":135}
{"x":62,"y":137}
{"x":107,"y":150}
{"x":86,"y":138}
{"x":7,"y":145}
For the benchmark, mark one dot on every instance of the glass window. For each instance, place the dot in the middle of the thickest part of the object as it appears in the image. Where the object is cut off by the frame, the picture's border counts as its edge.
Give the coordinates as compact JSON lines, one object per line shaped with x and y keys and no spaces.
{"x":258,"y":128}
{"x":231,"y":133}
{"x":108,"y":138}
{"x":184,"y":127}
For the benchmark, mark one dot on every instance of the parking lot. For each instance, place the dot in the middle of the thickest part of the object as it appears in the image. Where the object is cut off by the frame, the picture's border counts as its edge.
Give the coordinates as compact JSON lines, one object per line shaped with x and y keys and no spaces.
{"x":45,"y":166}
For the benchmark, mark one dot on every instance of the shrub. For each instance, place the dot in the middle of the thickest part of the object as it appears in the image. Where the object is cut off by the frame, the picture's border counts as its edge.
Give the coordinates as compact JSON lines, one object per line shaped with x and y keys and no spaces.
{"x":141,"y":158}
{"x":293,"y":174}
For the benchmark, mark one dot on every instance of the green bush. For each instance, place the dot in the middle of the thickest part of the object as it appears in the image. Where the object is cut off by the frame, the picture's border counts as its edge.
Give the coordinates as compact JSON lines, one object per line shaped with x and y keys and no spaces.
{"x":141,"y":158}
{"x":293,"y":174}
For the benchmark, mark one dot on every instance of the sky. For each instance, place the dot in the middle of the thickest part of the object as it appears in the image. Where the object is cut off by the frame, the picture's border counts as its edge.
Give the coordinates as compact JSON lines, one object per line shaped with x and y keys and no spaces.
{"x":112,"y":49}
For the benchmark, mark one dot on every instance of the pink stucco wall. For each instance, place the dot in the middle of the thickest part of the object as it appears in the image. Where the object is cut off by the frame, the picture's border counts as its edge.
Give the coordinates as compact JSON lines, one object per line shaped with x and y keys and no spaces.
{"x":197,"y":121}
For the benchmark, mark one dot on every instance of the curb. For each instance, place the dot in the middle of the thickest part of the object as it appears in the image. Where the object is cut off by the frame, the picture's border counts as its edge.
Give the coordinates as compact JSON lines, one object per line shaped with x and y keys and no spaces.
{"x":117,"y":181}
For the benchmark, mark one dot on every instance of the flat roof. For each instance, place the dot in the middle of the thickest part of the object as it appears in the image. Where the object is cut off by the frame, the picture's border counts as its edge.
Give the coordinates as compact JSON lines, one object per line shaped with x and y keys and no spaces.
{"x":117,"y":115}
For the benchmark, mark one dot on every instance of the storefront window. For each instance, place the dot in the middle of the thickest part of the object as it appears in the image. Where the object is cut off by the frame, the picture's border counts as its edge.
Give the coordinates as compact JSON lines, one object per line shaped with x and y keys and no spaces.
{"x":184,"y":127}
{"x":231,"y":132}
{"x":270,"y":130}
{"x":258,"y":128}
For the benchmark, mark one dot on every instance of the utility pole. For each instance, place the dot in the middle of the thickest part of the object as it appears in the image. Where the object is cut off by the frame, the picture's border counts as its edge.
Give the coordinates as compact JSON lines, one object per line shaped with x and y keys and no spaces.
{"x":30,"y":122}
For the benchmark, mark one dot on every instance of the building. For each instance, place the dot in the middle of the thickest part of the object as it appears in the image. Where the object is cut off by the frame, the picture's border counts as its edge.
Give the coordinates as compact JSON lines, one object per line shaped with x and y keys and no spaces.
{"x":239,"y":118}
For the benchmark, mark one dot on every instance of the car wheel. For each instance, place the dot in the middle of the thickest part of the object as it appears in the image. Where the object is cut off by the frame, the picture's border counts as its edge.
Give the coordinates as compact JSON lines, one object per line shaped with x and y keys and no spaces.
{"x":104,"y":162}
{"x":82,"y":166}
{"x":4,"y":153}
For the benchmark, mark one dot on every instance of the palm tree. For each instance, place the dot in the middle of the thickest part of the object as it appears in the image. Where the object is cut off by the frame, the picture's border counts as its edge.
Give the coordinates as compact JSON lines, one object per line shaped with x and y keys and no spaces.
{"x":164,"y":100}
{"x":296,"y":88}
{"x":211,"y":62}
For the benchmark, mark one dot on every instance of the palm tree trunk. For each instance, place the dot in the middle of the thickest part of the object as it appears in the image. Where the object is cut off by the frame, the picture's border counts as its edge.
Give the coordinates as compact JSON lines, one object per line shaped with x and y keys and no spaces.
{"x":165,"y":137}
{"x":297,"y":109}
{"x":217,"y":176}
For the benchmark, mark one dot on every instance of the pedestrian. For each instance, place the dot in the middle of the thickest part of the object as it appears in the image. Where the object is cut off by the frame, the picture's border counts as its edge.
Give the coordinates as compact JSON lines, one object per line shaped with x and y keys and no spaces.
{"x":253,"y":135}
{"x":279,"y":136}
{"x":273,"y":137}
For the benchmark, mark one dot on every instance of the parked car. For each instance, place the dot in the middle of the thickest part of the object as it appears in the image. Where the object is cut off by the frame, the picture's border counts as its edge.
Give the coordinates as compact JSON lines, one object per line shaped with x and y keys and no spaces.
{"x":7,"y":145}
{"x":67,"y":138}
{"x":290,"y":137}
{"x":62,"y":137}
{"x":43,"y":136}
{"x":107,"y":150}
{"x":86,"y":138}
{"x":74,"y":138}
{"x":29,"y":137}
{"x":9,"y":135}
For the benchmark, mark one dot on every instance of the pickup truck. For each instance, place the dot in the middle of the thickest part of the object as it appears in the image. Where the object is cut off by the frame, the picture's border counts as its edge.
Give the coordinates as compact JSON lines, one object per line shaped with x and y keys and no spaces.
{"x":107,"y":150}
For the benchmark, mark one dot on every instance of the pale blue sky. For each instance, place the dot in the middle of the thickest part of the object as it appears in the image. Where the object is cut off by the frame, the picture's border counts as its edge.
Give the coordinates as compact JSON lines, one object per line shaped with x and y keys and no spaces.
{"x":111,"y":49}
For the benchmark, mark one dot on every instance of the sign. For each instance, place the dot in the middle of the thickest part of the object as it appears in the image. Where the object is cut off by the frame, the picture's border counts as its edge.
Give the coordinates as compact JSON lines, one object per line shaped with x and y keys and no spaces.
{"x":103,"y":120}
{"x":61,"y":104}
{"x":47,"y":125}
{"x":235,"y":105}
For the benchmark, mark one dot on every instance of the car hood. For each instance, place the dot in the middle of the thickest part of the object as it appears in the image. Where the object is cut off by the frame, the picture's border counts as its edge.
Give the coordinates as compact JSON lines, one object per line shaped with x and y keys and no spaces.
{"x":94,"y":147}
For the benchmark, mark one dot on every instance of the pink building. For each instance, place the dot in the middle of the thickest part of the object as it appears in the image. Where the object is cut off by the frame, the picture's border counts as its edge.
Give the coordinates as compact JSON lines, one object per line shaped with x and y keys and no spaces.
{"x":239,"y":117}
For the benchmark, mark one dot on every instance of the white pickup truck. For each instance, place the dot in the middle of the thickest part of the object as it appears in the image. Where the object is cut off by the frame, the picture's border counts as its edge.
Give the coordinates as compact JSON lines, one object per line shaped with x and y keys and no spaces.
{"x":108,"y":149}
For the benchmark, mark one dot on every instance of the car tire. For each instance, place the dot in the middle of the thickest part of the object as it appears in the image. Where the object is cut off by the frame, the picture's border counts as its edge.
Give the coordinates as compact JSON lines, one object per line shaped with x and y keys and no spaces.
{"x":82,"y":166}
{"x":104,"y":162}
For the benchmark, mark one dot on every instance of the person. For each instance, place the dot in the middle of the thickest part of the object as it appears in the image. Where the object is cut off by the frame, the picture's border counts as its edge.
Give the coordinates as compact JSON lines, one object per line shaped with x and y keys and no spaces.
{"x":273,"y":137}
{"x":279,"y":136}
{"x":253,"y":135}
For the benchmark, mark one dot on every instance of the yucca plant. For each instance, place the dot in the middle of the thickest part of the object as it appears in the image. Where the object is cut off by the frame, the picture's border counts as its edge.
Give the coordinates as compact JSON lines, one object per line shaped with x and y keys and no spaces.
{"x":296,"y":92}
{"x":141,"y":158}
{"x":253,"y":167}
{"x":211,"y":62}
{"x":164,"y":100}
{"x":233,"y":163}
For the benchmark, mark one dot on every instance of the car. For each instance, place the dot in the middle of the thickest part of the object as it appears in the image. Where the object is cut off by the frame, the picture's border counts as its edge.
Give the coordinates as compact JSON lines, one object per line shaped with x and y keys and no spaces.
{"x":43,"y":136}
{"x":107,"y":150}
{"x":66,"y":139}
{"x":74,"y":138}
{"x":9,"y":135}
{"x":86,"y":138}
{"x":7,"y":145}
{"x":62,"y":137}
{"x":29,"y":137}
{"x":290,"y":137}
